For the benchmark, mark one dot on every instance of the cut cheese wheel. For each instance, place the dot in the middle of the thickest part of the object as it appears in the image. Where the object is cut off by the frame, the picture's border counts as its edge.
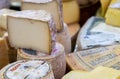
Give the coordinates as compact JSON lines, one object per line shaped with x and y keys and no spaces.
{"x":64,"y":38}
{"x":71,"y":12}
{"x":32,"y":29}
{"x":57,"y":58}
{"x":3,"y":17}
{"x":104,"y":6}
{"x":29,"y":69}
{"x":52,"y":6}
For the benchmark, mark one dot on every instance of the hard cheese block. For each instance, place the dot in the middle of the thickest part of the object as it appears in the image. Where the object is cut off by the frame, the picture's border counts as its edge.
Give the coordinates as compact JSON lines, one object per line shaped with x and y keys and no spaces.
{"x":32,"y":29}
{"x":113,"y":13}
{"x":71,"y":12}
{"x":89,"y":59}
{"x":28,"y":69}
{"x":52,"y":6}
{"x":56,"y":59}
{"x":3,"y":17}
{"x":98,"y":73}
{"x":104,"y":6}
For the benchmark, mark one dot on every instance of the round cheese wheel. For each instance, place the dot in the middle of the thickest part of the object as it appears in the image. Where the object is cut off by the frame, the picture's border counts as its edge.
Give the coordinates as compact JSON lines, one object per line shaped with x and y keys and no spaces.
{"x":23,"y":69}
{"x":64,"y":38}
{"x":56,"y":59}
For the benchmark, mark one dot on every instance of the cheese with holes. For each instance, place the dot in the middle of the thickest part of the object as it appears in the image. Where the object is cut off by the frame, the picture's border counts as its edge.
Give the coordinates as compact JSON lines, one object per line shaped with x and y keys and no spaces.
{"x":113,"y":13}
{"x":98,"y":73}
{"x":32,"y":29}
{"x":71,"y":12}
{"x":52,"y":6}
{"x":3,"y":17}
{"x":56,"y":59}
{"x":28,"y":70}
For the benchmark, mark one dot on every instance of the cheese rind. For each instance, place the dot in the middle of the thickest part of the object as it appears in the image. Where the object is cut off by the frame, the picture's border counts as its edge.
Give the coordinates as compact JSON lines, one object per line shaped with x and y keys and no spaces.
{"x":52,"y":6}
{"x":27,"y":29}
{"x":3,"y":17}
{"x":71,"y":12}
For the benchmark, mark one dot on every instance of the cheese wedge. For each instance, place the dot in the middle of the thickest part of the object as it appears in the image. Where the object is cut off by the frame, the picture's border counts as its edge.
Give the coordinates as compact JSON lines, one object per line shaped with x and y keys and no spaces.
{"x":32,"y":29}
{"x":52,"y":6}
{"x":28,"y":70}
{"x":113,"y":13}
{"x":104,"y":6}
{"x":97,"y":73}
{"x":3,"y":17}
{"x":71,"y":12}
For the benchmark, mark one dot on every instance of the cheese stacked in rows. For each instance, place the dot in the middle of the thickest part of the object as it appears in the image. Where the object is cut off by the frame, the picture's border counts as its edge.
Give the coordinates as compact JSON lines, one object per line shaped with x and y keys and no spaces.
{"x":52,"y":6}
{"x":32,"y":29}
{"x":28,"y":70}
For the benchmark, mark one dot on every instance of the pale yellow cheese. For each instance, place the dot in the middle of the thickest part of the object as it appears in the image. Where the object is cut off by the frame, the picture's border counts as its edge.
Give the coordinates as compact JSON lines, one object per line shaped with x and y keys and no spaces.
{"x":32,"y":29}
{"x":113,"y":13}
{"x":52,"y":6}
{"x":71,"y":12}
{"x":104,"y":6}
{"x":3,"y":17}
{"x":97,"y":73}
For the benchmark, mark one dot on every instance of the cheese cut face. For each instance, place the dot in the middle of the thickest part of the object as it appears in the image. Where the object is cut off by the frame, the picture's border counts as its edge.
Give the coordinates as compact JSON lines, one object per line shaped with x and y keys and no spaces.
{"x":113,"y":13}
{"x":52,"y":6}
{"x":71,"y":12}
{"x":3,"y":17}
{"x":32,"y":29}
{"x":27,"y":70}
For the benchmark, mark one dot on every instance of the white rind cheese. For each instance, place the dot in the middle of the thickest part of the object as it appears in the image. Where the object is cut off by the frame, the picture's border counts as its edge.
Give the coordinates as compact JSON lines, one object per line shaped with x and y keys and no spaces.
{"x":52,"y":6}
{"x":32,"y":29}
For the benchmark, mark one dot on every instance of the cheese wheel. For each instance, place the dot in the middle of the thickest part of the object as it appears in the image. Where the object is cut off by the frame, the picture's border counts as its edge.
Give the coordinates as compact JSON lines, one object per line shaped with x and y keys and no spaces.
{"x":71,"y":12}
{"x":3,"y":17}
{"x":57,"y":58}
{"x":28,"y":69}
{"x":37,"y":26}
{"x":52,"y":6}
{"x":64,"y":38}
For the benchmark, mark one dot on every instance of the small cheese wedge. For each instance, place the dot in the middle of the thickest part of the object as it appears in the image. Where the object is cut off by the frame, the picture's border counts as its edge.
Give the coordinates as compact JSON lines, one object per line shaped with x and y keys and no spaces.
{"x":98,"y":73}
{"x":113,"y":13}
{"x":32,"y":29}
{"x":3,"y":17}
{"x":104,"y":6}
{"x":52,"y":6}
{"x":71,"y":12}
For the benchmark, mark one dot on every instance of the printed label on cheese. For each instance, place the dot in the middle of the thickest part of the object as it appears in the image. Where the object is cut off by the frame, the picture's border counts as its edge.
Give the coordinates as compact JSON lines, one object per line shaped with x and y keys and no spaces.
{"x":27,"y":70}
{"x":105,"y":56}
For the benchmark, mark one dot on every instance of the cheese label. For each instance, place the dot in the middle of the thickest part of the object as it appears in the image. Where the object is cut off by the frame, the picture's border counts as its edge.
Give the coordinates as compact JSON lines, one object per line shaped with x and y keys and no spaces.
{"x":27,"y":70}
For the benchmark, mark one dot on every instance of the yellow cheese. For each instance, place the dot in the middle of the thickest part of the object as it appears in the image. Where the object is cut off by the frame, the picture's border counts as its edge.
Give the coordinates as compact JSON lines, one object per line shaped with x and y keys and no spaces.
{"x":97,"y":73}
{"x":71,"y":12}
{"x":113,"y":13}
{"x":3,"y":17}
{"x":104,"y":5}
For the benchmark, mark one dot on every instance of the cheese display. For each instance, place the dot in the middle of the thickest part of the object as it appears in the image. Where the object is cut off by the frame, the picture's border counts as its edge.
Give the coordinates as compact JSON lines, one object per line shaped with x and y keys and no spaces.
{"x":98,"y":73}
{"x":52,"y":6}
{"x":88,"y":38}
{"x":71,"y":12}
{"x":3,"y":17}
{"x":89,"y":59}
{"x":28,"y":70}
{"x":28,"y":28}
{"x":3,"y":52}
{"x":113,"y":13}
{"x":64,"y":38}
{"x":56,"y":59}
{"x":104,"y":6}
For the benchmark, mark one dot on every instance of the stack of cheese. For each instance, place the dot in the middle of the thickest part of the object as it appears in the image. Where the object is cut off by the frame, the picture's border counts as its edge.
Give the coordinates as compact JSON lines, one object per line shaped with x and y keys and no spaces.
{"x":27,"y":70}
{"x":113,"y":13}
{"x":97,"y":73}
{"x":33,"y":33}
{"x":55,"y":8}
{"x":71,"y":16}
